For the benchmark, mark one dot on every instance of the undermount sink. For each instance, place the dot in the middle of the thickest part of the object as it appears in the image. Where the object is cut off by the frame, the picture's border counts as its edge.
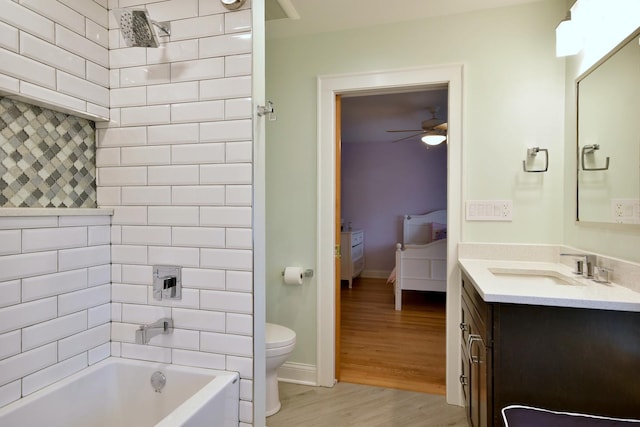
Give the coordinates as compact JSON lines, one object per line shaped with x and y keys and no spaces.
{"x":535,"y":277}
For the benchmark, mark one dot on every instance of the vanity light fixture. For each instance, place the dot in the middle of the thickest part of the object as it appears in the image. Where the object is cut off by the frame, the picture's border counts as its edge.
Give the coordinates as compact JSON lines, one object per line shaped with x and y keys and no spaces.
{"x":433,"y":138}
{"x":233,"y":4}
{"x":567,"y":37}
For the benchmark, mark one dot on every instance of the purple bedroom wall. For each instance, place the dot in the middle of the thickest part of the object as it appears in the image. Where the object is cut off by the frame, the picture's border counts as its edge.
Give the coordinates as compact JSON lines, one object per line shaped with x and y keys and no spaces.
{"x":381,"y":182}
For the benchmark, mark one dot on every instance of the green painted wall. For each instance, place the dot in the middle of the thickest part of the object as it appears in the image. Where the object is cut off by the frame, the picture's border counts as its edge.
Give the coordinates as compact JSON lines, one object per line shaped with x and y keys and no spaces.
{"x":513,"y":99}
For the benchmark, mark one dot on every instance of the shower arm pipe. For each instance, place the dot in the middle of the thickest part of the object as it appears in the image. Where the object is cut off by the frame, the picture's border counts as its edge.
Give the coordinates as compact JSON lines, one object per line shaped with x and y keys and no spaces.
{"x":164,"y":26}
{"x":233,"y":4}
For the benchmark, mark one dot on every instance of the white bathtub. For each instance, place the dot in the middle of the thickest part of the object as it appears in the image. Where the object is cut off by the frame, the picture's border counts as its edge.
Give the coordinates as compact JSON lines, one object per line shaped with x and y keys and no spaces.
{"x":117,"y":393}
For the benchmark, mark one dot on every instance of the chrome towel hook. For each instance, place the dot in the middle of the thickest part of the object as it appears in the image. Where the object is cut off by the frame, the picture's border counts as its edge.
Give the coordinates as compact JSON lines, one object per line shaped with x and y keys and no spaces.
{"x":267,"y":110}
{"x":590,"y":149}
{"x":532,"y":153}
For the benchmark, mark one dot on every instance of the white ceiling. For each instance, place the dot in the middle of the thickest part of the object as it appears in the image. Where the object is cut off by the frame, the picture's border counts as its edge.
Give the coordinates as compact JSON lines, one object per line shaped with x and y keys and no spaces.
{"x":318,"y":16}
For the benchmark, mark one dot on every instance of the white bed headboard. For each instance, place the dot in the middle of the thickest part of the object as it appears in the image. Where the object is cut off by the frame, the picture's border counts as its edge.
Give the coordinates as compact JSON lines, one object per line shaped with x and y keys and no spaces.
{"x":416,"y":229}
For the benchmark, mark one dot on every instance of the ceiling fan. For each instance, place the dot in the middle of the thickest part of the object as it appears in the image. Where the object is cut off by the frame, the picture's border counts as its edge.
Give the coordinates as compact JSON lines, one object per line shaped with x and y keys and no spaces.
{"x":433,"y":132}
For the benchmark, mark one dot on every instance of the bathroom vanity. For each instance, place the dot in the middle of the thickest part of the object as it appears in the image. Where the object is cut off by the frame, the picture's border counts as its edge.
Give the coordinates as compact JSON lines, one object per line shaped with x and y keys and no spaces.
{"x":577,"y":350}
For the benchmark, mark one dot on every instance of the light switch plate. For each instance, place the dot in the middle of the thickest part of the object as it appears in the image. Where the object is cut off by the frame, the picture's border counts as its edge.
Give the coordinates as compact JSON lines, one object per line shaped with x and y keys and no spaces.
{"x":489,"y":210}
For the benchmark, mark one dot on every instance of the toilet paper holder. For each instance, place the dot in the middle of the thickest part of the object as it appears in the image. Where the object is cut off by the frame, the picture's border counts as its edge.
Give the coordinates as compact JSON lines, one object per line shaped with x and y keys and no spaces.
{"x":307,"y":273}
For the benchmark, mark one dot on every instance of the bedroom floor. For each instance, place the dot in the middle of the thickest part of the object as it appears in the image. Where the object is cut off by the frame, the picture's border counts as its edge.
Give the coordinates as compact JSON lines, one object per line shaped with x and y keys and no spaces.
{"x":403,"y":350}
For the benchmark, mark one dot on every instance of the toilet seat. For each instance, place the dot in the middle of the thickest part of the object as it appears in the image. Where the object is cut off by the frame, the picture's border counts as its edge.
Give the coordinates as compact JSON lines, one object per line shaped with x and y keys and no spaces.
{"x":277,"y":336}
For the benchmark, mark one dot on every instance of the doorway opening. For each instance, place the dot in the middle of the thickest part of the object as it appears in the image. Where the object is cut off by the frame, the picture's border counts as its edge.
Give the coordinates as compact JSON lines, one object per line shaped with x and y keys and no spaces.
{"x":394,"y":80}
{"x":387,"y":172}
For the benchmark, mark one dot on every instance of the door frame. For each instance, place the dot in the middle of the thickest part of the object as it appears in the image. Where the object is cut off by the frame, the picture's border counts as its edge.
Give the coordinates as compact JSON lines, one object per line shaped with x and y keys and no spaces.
{"x":338,"y":241}
{"x":328,"y":86}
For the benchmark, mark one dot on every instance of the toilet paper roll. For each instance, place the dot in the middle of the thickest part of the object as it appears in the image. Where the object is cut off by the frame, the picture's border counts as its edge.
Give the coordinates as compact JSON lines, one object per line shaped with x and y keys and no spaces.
{"x":293,"y":275}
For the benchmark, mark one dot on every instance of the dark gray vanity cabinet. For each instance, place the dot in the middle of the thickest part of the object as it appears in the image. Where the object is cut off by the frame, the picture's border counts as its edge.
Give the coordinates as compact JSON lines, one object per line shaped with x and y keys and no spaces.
{"x":558,"y":358}
{"x":476,"y":327}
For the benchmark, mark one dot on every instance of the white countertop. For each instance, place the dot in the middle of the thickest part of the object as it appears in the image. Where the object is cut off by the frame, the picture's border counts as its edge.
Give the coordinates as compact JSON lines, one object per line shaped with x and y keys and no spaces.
{"x":583,"y":293}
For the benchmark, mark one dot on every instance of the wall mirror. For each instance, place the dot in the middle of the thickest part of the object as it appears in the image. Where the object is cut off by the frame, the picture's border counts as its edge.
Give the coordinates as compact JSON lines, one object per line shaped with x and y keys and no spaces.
{"x":608,"y":97}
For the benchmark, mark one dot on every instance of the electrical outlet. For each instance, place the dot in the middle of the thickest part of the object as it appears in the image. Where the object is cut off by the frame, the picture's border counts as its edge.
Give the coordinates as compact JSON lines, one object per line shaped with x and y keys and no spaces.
{"x":489,"y":210}
{"x":506,"y":207}
{"x":625,"y":211}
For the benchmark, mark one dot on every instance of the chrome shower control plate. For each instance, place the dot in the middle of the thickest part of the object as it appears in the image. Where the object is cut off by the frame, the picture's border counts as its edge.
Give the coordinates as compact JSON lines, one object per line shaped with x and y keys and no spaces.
{"x":167,"y":282}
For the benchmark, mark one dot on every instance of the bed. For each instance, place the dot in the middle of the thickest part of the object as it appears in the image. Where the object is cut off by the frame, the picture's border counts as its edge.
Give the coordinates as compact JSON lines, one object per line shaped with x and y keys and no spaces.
{"x":421,"y":258}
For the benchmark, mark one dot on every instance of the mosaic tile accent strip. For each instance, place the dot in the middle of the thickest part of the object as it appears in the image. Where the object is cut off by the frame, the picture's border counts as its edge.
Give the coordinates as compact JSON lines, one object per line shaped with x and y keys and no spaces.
{"x":47,"y":158}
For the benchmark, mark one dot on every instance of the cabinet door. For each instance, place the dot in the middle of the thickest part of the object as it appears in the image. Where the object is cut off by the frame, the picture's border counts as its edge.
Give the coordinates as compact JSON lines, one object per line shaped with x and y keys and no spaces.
{"x":478,"y":381}
{"x":470,"y":372}
{"x":567,"y":359}
{"x":464,"y":378}
{"x":475,"y":367}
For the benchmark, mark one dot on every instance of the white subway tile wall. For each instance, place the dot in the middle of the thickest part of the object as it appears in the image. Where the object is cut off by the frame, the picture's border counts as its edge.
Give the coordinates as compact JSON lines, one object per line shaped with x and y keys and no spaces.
{"x":175,"y":165}
{"x":55,"y":299}
{"x":54,"y":47}
{"x":174,"y":162}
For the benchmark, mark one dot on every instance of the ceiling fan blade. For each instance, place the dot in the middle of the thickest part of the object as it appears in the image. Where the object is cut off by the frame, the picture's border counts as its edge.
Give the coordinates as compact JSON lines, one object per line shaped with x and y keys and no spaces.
{"x":408,"y":137}
{"x":431,"y":123}
{"x":406,"y":130}
{"x":441,"y":127}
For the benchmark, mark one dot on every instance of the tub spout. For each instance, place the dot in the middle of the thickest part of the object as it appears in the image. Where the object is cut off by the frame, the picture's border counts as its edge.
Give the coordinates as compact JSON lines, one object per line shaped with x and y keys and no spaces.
{"x":146,"y":332}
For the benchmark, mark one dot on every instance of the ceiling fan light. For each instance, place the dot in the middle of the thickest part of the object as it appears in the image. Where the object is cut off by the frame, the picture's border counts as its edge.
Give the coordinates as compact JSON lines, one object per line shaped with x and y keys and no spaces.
{"x":433,"y":139}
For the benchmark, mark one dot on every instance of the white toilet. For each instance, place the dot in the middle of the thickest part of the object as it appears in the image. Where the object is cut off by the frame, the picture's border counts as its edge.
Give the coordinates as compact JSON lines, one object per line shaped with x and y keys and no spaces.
{"x":280,"y":344}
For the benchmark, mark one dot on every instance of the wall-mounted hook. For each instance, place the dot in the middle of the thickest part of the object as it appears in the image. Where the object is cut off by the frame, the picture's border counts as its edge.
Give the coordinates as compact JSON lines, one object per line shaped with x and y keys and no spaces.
{"x":532,"y":153}
{"x":590,"y":149}
{"x":267,"y":110}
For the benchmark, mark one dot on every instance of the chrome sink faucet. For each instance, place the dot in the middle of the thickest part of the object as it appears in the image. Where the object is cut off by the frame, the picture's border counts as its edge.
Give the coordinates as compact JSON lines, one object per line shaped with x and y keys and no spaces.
{"x":584,"y":264}
{"x":145,"y":332}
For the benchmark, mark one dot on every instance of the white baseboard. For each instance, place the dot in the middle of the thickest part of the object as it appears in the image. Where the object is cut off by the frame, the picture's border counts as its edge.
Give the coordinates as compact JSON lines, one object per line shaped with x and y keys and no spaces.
{"x":298,"y":373}
{"x":375,"y":274}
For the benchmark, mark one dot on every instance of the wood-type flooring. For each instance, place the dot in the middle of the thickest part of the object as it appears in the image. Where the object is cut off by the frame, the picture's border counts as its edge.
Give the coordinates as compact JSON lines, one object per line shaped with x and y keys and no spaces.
{"x":356,"y":405}
{"x":383,"y":347}
{"x":400,"y":355}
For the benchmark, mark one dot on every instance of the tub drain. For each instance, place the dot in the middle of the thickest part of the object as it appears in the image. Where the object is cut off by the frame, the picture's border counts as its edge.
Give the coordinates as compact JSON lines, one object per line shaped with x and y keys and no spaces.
{"x":158,"y":381}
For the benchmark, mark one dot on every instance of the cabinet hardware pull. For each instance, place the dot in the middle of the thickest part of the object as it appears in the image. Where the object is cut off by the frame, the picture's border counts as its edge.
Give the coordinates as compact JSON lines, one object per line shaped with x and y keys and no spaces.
{"x":469,"y":337}
{"x":464,"y":327}
{"x":472,"y":339}
{"x":463,"y":380}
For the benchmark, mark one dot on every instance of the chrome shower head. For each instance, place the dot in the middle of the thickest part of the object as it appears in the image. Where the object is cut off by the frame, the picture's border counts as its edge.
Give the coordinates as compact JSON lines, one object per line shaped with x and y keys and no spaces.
{"x":137,"y":29}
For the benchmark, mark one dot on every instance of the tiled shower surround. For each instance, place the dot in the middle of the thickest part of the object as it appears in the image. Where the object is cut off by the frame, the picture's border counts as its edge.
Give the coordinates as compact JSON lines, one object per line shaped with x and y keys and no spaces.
{"x":54,"y":299}
{"x":174,"y":163}
{"x":47,"y":158}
